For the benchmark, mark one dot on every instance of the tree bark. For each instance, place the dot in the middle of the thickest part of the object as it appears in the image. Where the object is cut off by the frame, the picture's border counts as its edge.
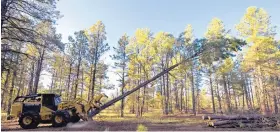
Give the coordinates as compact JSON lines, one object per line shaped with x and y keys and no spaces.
{"x":122,"y":91}
{"x":30,"y":85}
{"x":20,"y":86}
{"x":38,"y":71}
{"x":11,"y":91}
{"x":193,"y":92}
{"x":13,"y":85}
{"x":77,"y":78}
{"x":6,"y":87}
{"x":212,"y":93}
{"x":181,"y":96}
{"x":227,"y":95}
{"x":82,"y":90}
{"x":69,"y":80}
{"x":90,"y":81}
{"x":218,"y":94}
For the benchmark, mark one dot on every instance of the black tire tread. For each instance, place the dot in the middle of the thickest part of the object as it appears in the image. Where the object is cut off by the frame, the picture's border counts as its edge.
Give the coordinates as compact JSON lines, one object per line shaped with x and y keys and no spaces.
{"x":35,"y":120}
{"x":66,"y":118}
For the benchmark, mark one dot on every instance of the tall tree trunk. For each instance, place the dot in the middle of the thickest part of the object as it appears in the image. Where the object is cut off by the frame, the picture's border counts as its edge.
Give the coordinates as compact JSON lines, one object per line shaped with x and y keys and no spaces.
{"x":138,"y":95}
{"x":177,"y":105}
{"x":262,"y":92}
{"x":181,"y":96}
{"x":77,"y":78}
{"x":11,"y":91}
{"x":164,"y":92}
{"x":60,"y":82}
{"x":187,"y":95}
{"x":30,"y":85}
{"x":38,"y":71}
{"x":246,"y":93}
{"x":82,"y":90}
{"x":122,"y":90}
{"x":69,"y":81}
{"x":227,"y":94}
{"x":6,"y":87}
{"x":90,"y":81}
{"x":143,"y":101}
{"x":212,"y":93}
{"x":20,"y":86}
{"x":13,"y":85}
{"x":275,"y":104}
{"x":193,"y":92}
{"x":94,"y":71}
{"x":219,"y":97}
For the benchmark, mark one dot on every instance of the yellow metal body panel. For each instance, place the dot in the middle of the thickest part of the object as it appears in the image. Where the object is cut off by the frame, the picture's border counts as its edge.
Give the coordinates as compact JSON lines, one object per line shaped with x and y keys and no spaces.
{"x":16,"y":109}
{"x":45,"y":113}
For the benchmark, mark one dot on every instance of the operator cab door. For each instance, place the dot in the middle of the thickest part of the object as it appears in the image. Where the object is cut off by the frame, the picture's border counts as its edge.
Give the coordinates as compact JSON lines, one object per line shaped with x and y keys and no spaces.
{"x":49,"y":101}
{"x":48,"y":106}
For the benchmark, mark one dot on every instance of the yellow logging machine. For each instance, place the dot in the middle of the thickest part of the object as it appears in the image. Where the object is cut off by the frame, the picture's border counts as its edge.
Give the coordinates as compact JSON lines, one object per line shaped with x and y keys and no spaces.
{"x":48,"y":108}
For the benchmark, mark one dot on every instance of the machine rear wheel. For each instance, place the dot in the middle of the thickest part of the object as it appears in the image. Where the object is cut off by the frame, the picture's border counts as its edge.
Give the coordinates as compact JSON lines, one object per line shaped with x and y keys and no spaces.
{"x":60,"y":118}
{"x":28,"y":120}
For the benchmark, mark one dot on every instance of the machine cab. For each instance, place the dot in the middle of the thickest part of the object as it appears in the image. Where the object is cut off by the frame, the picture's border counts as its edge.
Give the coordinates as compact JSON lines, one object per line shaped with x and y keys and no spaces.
{"x":38,"y":103}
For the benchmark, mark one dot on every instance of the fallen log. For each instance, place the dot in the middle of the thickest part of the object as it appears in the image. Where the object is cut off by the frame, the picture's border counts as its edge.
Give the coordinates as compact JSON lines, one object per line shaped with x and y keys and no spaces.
{"x":234,"y":117}
{"x":219,"y":123}
{"x":235,"y":123}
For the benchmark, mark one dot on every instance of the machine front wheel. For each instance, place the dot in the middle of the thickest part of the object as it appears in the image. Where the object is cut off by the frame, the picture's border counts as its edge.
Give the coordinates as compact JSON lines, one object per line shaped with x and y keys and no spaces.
{"x":75,"y":118}
{"x":60,"y":118}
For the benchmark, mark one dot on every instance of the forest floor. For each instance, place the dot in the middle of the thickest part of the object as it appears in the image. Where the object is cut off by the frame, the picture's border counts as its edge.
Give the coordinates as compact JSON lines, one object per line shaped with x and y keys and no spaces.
{"x":112,"y":122}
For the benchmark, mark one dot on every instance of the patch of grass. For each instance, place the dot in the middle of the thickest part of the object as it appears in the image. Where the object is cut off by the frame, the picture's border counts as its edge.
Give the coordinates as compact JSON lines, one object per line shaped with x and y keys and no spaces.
{"x":151,"y":117}
{"x":141,"y":128}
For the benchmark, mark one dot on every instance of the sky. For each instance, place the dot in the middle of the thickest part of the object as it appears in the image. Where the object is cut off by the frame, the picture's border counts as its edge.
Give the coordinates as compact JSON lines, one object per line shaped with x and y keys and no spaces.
{"x":125,"y":16}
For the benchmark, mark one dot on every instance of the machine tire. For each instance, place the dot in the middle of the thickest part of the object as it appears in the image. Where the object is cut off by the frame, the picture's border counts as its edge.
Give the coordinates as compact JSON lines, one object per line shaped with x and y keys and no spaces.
{"x":75,"y":118}
{"x":60,"y":118}
{"x":29,"y":120}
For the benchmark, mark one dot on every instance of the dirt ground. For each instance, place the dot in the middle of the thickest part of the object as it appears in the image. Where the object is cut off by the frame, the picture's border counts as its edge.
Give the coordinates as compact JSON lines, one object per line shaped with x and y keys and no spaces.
{"x":166,"y":123}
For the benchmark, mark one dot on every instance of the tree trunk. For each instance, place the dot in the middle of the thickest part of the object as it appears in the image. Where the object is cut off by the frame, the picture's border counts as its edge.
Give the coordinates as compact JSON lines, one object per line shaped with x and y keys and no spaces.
{"x":82,"y":90}
{"x":227,"y":95}
{"x":177,"y":105}
{"x":187,"y":95}
{"x":69,"y":80}
{"x":77,"y":78}
{"x":275,"y":104}
{"x":262,"y":92}
{"x":90,"y":81}
{"x":11,"y":91}
{"x":13,"y":85}
{"x":60,"y":81}
{"x":212,"y":93}
{"x":122,"y":91}
{"x":218,"y":94}
{"x":193,"y":93}
{"x":6,"y":87}
{"x":246,"y":93}
{"x":181,"y":96}
{"x":30,"y":85}
{"x":20,"y":86}
{"x":38,"y":71}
